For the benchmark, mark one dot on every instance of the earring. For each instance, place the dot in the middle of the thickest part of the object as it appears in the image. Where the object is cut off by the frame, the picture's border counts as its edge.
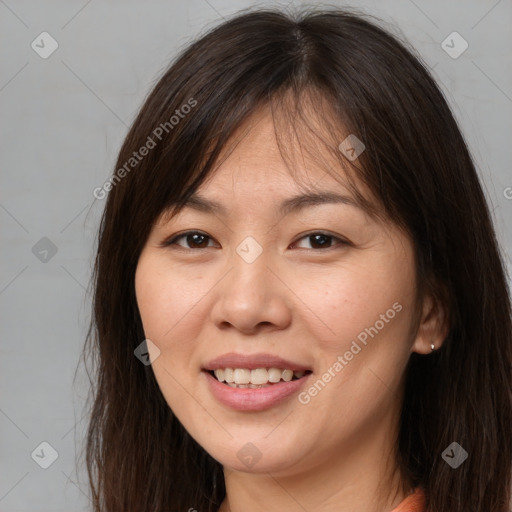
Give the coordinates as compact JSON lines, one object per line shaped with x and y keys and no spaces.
{"x":433,"y":347}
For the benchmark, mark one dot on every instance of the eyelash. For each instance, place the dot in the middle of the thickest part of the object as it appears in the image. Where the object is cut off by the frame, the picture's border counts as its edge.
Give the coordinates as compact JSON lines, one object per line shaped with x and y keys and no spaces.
{"x":172,"y":241}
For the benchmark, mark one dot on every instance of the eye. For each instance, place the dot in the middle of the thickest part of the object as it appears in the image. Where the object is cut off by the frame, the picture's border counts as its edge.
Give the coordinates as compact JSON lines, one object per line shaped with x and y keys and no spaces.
{"x":197,"y":240}
{"x":321,"y":240}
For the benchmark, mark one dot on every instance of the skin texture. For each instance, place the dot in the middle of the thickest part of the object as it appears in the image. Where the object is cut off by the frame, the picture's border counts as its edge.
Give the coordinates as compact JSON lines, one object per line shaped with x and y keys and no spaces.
{"x":296,"y":301}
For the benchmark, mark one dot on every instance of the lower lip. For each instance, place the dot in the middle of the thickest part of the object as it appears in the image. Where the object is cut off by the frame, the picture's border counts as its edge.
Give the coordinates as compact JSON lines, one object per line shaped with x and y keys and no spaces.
{"x":253,"y":399}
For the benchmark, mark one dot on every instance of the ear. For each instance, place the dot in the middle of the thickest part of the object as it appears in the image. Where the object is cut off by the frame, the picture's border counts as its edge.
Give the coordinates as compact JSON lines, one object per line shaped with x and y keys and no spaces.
{"x":433,"y":327}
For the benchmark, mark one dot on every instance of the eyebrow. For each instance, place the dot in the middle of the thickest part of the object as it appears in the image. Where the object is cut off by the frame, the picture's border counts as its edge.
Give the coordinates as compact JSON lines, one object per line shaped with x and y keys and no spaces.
{"x":290,"y":205}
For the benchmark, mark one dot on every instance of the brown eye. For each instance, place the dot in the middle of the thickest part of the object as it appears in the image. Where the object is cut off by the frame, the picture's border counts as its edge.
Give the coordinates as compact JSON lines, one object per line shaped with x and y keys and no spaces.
{"x":193,"y":240}
{"x":320,"y":240}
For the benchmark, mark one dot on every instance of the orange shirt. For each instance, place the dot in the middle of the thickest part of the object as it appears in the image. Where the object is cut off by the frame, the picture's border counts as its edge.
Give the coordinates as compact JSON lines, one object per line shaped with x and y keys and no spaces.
{"x":415,"y":502}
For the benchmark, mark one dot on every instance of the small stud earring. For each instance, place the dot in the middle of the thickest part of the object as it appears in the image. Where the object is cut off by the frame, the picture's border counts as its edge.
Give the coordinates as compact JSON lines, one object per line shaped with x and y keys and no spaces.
{"x":433,"y":347}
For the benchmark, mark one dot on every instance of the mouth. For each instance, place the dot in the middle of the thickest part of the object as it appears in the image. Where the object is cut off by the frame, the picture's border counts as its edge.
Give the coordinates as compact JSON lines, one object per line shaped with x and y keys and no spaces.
{"x":256,"y":378}
{"x":254,"y":382}
{"x":255,"y":392}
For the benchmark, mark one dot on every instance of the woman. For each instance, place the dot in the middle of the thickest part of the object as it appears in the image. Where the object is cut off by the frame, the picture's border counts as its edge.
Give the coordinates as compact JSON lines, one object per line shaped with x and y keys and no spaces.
{"x":299,"y":299}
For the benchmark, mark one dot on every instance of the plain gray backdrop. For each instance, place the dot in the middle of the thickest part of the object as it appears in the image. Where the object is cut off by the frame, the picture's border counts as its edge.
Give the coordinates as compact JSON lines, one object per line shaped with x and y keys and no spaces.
{"x":64,"y":116}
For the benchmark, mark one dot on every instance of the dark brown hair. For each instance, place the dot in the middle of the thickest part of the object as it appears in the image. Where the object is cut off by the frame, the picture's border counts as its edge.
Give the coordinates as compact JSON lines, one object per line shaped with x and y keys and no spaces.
{"x":416,"y":163}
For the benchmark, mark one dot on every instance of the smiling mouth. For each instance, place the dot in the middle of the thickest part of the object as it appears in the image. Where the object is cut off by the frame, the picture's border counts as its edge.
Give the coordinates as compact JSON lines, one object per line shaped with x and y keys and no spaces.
{"x":255,"y":379}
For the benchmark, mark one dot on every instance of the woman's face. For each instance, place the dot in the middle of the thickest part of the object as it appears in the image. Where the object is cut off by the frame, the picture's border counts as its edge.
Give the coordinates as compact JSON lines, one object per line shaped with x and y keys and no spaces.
{"x":268,"y":292}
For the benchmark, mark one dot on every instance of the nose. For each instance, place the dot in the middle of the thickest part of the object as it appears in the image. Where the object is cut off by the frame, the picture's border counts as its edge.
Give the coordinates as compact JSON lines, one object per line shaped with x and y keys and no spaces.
{"x":252,"y":297}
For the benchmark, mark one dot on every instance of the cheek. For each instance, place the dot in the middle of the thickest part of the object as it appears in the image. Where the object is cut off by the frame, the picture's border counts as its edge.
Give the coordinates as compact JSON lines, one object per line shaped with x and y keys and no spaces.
{"x":363,"y":356}
{"x":166,"y":303}
{"x":359,"y":302}
{"x":166,"y":306}
{"x":368,"y":309}
{"x":166,"y":300}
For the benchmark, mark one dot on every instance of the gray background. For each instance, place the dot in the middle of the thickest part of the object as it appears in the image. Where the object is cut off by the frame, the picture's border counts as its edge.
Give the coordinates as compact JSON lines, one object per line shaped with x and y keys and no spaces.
{"x":63,"y":120}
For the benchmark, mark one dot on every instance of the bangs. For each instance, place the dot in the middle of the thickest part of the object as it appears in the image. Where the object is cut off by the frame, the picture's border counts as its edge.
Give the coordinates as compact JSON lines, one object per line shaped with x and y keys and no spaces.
{"x":308,"y":135}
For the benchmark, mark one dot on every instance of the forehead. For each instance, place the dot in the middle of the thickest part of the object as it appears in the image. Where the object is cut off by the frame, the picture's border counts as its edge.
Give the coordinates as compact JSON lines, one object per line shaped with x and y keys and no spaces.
{"x":270,"y":161}
{"x":270,"y":158}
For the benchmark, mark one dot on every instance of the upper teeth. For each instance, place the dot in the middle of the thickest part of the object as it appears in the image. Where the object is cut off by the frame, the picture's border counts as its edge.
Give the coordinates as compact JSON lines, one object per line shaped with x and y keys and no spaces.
{"x":258,"y":376}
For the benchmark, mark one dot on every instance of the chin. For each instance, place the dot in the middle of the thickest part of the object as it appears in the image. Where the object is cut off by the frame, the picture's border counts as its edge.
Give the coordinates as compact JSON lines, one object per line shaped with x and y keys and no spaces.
{"x":256,"y":456}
